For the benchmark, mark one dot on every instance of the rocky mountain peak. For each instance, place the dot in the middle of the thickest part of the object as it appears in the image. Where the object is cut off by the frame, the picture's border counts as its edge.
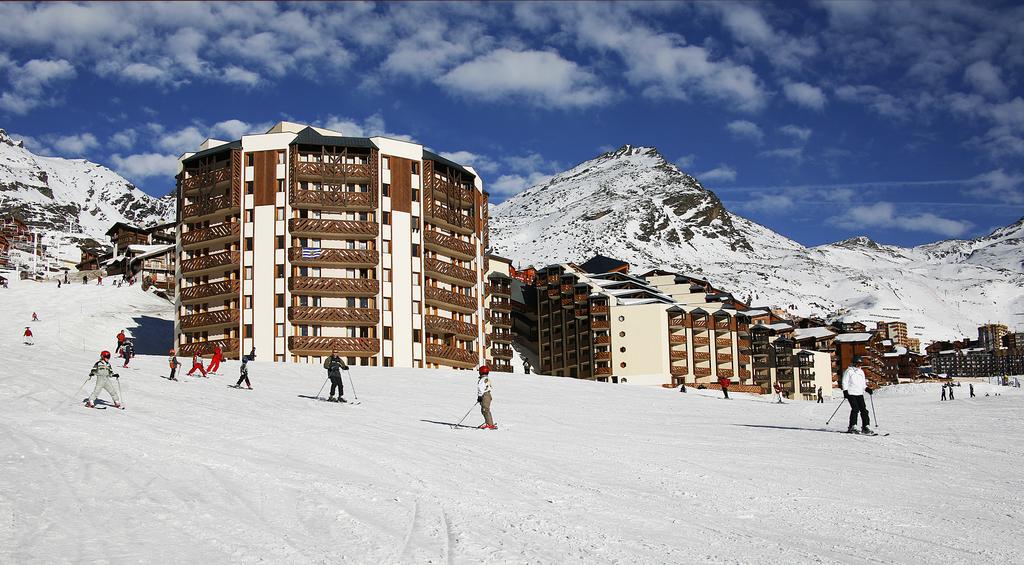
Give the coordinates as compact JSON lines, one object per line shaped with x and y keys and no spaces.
{"x":7,"y":140}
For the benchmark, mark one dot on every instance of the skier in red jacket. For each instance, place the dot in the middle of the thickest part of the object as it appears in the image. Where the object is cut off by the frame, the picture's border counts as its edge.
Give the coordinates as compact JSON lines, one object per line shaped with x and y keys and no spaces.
{"x":29,"y":340}
{"x":197,"y":365}
{"x":215,"y":362}
{"x":725,"y":382}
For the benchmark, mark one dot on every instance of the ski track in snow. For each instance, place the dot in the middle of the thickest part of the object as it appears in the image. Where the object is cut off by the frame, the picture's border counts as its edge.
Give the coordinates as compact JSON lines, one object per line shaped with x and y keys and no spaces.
{"x":578,"y":472}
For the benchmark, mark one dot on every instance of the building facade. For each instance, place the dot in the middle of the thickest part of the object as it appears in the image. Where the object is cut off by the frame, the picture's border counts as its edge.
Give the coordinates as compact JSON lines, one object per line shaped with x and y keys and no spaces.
{"x":301,"y":241}
{"x":990,"y":336}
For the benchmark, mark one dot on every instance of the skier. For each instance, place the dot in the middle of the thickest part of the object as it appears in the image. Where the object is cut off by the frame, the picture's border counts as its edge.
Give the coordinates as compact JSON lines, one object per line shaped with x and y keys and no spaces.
{"x":197,"y":365}
{"x":972,"y":390}
{"x":215,"y":362}
{"x":128,"y":351}
{"x":778,"y":392}
{"x":724,"y":383}
{"x":335,"y":365}
{"x":855,"y":384}
{"x":85,"y":279}
{"x":483,"y":396}
{"x":951,"y":397}
{"x":526,"y":366}
{"x":172,"y":361}
{"x":120,"y":341}
{"x":103,"y":373}
{"x":34,"y":317}
{"x":99,"y":280}
{"x":29,"y":339}
{"x":243,"y":373}
{"x":821,"y":400}
{"x":682,"y":386}
{"x":943,"y":391}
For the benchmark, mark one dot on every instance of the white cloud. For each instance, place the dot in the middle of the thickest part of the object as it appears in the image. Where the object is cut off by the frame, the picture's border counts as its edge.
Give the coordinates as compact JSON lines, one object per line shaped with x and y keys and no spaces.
{"x":231,"y":130}
{"x":806,"y":95}
{"x":745,"y":129}
{"x":124,"y":139}
{"x":792,"y":153}
{"x":686,"y":161}
{"x":185,"y":139}
{"x":749,"y":26}
{"x":885,"y":215}
{"x":238,"y":75}
{"x":984,"y":77}
{"x":479,"y":162}
{"x":542,"y":78}
{"x":143,"y":72}
{"x":75,"y":145}
{"x":145,"y":165}
{"x":875,"y":98}
{"x":371,"y":126}
{"x":998,"y":185}
{"x":508,"y":185}
{"x":29,"y":82}
{"x":796,"y":132}
{"x":770,"y":203}
{"x":721,"y":173}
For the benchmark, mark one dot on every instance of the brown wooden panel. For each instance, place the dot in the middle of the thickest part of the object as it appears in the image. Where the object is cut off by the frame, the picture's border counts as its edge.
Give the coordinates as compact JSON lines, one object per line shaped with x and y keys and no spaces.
{"x":401,"y":184}
{"x":265,"y":181}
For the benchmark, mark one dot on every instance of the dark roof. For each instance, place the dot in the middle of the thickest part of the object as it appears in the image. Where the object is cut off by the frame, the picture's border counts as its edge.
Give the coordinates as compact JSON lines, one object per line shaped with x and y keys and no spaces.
{"x":213,"y":151}
{"x":431,"y":156}
{"x":124,"y":226}
{"x":310,"y":136}
{"x":498,"y":276}
{"x":601,"y":264}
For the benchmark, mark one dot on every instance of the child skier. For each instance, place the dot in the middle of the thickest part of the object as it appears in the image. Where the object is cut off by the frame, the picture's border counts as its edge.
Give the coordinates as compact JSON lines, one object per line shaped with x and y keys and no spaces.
{"x":103,"y":373}
{"x":215,"y":362}
{"x":778,"y":392}
{"x":483,"y":396}
{"x":120,"y":341}
{"x":128,"y":351}
{"x":197,"y":365}
{"x":335,"y":365}
{"x":243,"y":373}
{"x":724,"y":382}
{"x":34,"y":317}
{"x":29,"y":339}
{"x":173,"y":363}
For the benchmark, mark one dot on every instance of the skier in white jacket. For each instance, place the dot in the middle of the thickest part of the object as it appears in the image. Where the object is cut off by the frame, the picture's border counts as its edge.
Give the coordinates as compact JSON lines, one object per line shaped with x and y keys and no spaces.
{"x":854,"y":385}
{"x":104,"y":375}
{"x":483,"y":396}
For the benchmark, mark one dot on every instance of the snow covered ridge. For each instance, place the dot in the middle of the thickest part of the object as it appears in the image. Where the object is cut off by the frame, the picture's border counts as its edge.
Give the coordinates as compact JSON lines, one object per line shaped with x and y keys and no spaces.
{"x":634,"y":205}
{"x":47,"y":192}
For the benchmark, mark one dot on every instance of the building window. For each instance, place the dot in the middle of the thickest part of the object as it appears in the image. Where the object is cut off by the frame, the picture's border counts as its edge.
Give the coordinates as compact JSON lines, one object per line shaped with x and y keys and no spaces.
{"x":279,"y":271}
{"x":280,"y":242}
{"x":279,"y":213}
{"x":248,"y":187}
{"x":385,"y":218}
{"x":622,"y":350}
{"x":247,"y":301}
{"x":386,"y":246}
{"x":415,"y":250}
{"x":248,"y":244}
{"x":386,"y":304}
{"x":248,"y":215}
{"x":387,"y":332}
{"x":248,"y":159}
{"x":387,"y":361}
{"x":247,"y":331}
{"x":280,"y":300}
{"x":415,"y":167}
{"x":279,"y":330}
{"x":416,"y":336}
{"x":415,"y":195}
{"x":279,"y":358}
{"x":248,"y":273}
{"x":280,"y":157}
{"x":622,"y":334}
{"x":623,"y":364}
{"x":622,"y":318}
{"x":415,"y":307}
{"x":385,"y":189}
{"x":387,"y":275}
{"x":386,"y":163}
{"x":280,"y":185}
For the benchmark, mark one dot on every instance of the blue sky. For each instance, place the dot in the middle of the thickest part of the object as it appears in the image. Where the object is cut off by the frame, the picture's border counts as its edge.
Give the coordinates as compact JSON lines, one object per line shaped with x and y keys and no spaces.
{"x":822,"y":120}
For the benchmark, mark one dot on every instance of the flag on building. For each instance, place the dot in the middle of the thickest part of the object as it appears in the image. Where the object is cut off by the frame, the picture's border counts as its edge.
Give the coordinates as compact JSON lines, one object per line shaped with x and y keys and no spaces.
{"x":311,"y":252}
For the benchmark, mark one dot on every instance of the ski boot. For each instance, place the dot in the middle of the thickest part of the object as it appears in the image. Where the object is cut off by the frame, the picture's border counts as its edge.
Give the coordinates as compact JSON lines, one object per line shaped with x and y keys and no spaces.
{"x":118,"y":405}
{"x":89,"y":404}
{"x":332,"y":399}
{"x":867,"y":431}
{"x":852,"y":430}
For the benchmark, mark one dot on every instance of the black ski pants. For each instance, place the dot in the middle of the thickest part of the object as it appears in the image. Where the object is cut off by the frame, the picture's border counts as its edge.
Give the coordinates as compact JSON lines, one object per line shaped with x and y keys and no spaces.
{"x":337,"y":384}
{"x":857,"y":406}
{"x":725,"y":391}
{"x":244,"y":378}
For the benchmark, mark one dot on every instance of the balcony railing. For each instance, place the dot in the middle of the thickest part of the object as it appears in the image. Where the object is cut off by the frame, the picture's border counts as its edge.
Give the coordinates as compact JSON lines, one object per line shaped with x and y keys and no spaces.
{"x":229,"y":348}
{"x":500,"y":337}
{"x":448,"y":218}
{"x":722,"y":324}
{"x":209,"y":206}
{"x":500,"y":320}
{"x":501,"y":305}
{"x":451,"y":356}
{"x":446,"y":326}
{"x":449,"y":245}
{"x":213,"y":261}
{"x":723,"y":342}
{"x":323,"y":286}
{"x":332,"y":316}
{"x":701,"y":341}
{"x":206,"y":178}
{"x":567,"y":302}
{"x":193,"y":322}
{"x":343,"y":257}
{"x":678,"y":370}
{"x":677,"y":339}
{"x":449,"y":192}
{"x":676,"y":323}
{"x":499,"y":290}
{"x":501,"y":352}
{"x":602,"y":340}
{"x":702,"y":371}
{"x":332,"y":170}
{"x":724,"y":358}
{"x":206,"y":292}
{"x":203,"y":237}
{"x":333,"y":199}
{"x":447,"y":272}
{"x":677,"y":355}
{"x":465,"y":303}
{"x":603,"y":356}
{"x":319,"y":345}
{"x":600,"y":324}
{"x":724,"y":372}
{"x":602,"y":371}
{"x":598,"y":309}
{"x":566,"y":288}
{"x":700,"y":322}
{"x":322,"y":228}
{"x":582,"y":313}
{"x":701,"y":356}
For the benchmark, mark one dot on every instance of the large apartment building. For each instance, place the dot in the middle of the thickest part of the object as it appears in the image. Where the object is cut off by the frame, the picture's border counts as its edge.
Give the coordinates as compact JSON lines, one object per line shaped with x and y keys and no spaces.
{"x":301,"y":241}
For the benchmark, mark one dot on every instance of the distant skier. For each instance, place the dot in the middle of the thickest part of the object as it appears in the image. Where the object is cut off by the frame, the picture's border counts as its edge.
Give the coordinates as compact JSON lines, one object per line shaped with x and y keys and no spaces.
{"x":526,"y":366}
{"x":34,"y":317}
{"x":483,"y":396}
{"x":214,"y":366}
{"x":85,"y":279}
{"x":120,"y":341}
{"x":128,"y":351}
{"x":335,"y":365}
{"x":252,"y":354}
{"x":682,"y":386}
{"x":197,"y":365}
{"x":821,"y":399}
{"x":173,"y":363}
{"x":855,"y":384}
{"x":944,"y":391}
{"x":29,"y":339}
{"x":99,"y":280}
{"x":778,"y":392}
{"x":972,"y":389}
{"x":103,"y":373}
{"x":951,"y":397}
{"x":243,"y":373}
{"x":724,"y":382}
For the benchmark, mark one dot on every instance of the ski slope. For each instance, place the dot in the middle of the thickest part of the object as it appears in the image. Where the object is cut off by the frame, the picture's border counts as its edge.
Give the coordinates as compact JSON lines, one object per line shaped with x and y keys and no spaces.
{"x":196,"y":472}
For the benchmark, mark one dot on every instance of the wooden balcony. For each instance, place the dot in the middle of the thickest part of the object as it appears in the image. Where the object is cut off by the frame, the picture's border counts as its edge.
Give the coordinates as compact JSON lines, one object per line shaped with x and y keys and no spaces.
{"x":304,"y":170}
{"x":700,"y":322}
{"x":567,"y":302}
{"x":500,"y":320}
{"x":677,"y":323}
{"x":448,"y":192}
{"x":333,"y":200}
{"x":208,"y":320}
{"x":501,"y":352}
{"x":333,"y":316}
{"x":495,"y":289}
{"x":581,"y":298}
{"x":724,"y":372}
{"x":229,"y":348}
{"x":332,"y":229}
{"x":723,"y":342}
{"x":602,"y":340}
{"x":701,"y":341}
{"x":600,"y":324}
{"x":448,"y":245}
{"x":336,"y":258}
{"x":448,"y":218}
{"x":553,"y":292}
{"x":451,"y":356}
{"x":448,"y":300}
{"x":602,"y":355}
{"x":722,"y":323}
{"x":678,"y":370}
{"x":346,"y":346}
{"x":743,"y":358}
{"x":701,"y":356}
{"x":702,"y":371}
{"x":438,"y":325}
{"x":331,"y":286}
{"x":724,"y":358}
{"x":205,"y":264}
{"x":582,"y":313}
{"x":602,"y":371}
{"x":500,"y":337}
{"x":677,"y":355}
{"x":501,"y":305}
{"x":677,"y":339}
{"x":217,"y":205}
{"x":449,"y":273}
{"x":566,"y":288}
{"x":211,"y":236}
{"x":744,"y":374}
{"x":206,"y":179}
{"x":598,"y":309}
{"x":208,"y":292}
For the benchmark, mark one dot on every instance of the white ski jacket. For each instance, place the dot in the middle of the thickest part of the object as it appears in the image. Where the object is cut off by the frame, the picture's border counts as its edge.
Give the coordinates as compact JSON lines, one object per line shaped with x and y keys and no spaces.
{"x":483,"y":386}
{"x":854,"y":382}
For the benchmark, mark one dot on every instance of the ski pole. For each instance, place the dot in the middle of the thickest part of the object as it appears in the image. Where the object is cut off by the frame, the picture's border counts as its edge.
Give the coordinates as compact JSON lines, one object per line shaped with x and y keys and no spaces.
{"x":322,"y":387}
{"x":467,"y":414}
{"x":352,"y":384}
{"x":873,"y":416}
{"x":87,"y":379}
{"x":119,"y":391}
{"x":837,"y":411}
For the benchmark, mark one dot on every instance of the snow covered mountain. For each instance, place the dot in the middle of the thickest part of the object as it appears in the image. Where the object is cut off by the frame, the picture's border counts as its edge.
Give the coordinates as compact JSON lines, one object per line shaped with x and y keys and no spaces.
{"x":634,"y":205}
{"x":48,"y":192}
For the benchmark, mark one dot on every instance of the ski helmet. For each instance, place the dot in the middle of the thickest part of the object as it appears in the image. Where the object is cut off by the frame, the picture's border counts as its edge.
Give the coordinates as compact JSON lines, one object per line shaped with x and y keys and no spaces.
{"x":484,"y":369}
{"x":171,"y":352}
{"x":104,"y":354}
{"x":857,"y":359}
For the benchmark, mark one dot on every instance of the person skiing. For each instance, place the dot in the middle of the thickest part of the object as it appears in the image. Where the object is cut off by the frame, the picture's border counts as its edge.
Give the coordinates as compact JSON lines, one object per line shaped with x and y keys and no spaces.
{"x":173,"y":363}
{"x":483,"y":396}
{"x":197,"y":365}
{"x":724,"y":383}
{"x":127,"y":351}
{"x":855,"y":384}
{"x":120,"y":341}
{"x":34,"y":317}
{"x":821,"y":400}
{"x":335,"y":365}
{"x":972,"y":389}
{"x":778,"y":392}
{"x":99,"y":280}
{"x":682,"y":386}
{"x":218,"y":354}
{"x":944,"y":391}
{"x":29,"y":339}
{"x":951,"y":397}
{"x":103,"y":373}
{"x":243,"y":373}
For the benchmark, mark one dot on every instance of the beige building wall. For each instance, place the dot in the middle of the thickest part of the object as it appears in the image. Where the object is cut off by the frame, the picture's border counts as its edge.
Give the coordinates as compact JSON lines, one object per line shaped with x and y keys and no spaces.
{"x":641,"y":356}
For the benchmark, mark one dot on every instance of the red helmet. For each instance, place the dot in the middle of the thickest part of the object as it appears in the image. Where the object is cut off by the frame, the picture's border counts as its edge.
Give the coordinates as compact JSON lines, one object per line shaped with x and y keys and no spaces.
{"x":171,"y":352}
{"x":484,"y":369}
{"x":104,"y":354}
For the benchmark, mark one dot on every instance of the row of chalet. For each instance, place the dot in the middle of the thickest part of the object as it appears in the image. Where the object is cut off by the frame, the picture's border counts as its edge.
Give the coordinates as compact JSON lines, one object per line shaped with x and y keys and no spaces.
{"x":997,"y":352}
{"x":146,"y":254}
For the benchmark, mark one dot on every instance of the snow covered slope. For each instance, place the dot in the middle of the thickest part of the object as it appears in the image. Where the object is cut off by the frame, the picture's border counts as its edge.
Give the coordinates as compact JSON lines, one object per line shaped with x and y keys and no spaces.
{"x":196,"y":472}
{"x":47,"y":192}
{"x":634,"y":205}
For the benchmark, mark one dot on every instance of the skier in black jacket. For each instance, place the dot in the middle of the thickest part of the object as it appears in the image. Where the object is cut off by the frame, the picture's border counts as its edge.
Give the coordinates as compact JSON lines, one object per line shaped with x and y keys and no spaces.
{"x":243,"y":373}
{"x":335,"y":365}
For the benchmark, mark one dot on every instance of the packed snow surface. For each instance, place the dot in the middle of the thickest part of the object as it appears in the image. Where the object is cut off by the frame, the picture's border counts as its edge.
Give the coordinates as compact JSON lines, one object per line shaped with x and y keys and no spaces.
{"x":196,"y":472}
